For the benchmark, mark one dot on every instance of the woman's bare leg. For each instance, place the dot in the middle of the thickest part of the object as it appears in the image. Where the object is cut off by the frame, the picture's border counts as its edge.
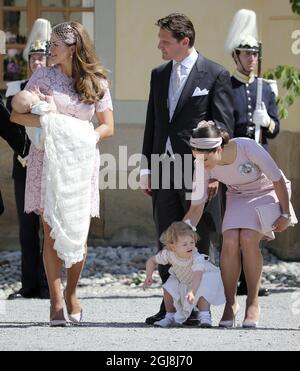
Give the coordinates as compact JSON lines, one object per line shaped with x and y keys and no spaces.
{"x":231,"y":270}
{"x":253,"y":267}
{"x":53,"y":268}
{"x":73,"y":277}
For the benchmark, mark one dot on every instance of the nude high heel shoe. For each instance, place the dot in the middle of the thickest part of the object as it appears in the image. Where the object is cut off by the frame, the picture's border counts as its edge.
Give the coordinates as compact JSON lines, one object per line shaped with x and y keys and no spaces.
{"x":75,"y":319}
{"x":231,"y":323}
{"x":57,"y":322}
{"x":249,"y":324}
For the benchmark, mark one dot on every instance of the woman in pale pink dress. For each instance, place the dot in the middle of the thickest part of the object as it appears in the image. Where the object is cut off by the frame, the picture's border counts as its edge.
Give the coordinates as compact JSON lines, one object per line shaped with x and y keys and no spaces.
{"x":253,"y":179}
{"x":78,"y":85}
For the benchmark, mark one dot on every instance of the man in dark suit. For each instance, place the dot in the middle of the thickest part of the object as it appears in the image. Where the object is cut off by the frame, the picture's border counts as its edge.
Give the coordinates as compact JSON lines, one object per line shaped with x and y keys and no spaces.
{"x":185,"y":91}
{"x":12,"y":134}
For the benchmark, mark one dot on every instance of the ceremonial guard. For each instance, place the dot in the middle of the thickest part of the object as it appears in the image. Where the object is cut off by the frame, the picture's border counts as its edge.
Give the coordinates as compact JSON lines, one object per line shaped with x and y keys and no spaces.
{"x":34,"y":283}
{"x":255,"y":108}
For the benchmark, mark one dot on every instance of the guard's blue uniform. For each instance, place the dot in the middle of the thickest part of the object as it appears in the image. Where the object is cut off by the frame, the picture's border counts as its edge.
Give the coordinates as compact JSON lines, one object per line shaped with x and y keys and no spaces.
{"x":245,"y":93}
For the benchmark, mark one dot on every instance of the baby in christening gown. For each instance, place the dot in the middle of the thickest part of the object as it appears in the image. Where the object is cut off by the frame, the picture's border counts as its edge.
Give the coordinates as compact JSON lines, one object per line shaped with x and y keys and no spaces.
{"x":28,"y":102}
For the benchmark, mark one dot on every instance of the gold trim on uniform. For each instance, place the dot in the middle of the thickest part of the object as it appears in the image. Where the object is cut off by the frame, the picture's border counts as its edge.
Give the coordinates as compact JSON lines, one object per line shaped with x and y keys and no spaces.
{"x":244,"y":78}
{"x":22,"y":161}
{"x":272,"y":127}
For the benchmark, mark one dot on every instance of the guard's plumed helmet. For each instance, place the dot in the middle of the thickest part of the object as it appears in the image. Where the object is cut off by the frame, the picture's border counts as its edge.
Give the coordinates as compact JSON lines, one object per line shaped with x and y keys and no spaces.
{"x":39,"y":46}
{"x":243,"y":34}
{"x":38,"y":38}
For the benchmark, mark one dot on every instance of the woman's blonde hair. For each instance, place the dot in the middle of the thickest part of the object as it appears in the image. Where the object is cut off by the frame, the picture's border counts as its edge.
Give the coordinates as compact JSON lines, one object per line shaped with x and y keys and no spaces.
{"x":87,"y":69}
{"x":176,"y":230}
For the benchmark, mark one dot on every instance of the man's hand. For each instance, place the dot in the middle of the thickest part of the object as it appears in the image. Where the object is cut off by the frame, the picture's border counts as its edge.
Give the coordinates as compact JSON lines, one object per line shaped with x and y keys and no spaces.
{"x":190,"y":297}
{"x":213,"y":188}
{"x":261,"y":117}
{"x":145,"y":185}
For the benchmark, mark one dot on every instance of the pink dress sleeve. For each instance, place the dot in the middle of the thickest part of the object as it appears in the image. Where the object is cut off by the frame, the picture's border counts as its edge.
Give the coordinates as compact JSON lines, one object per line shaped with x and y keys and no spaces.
{"x":106,"y":102}
{"x":200,"y":184}
{"x":260,"y":157}
{"x":40,"y":81}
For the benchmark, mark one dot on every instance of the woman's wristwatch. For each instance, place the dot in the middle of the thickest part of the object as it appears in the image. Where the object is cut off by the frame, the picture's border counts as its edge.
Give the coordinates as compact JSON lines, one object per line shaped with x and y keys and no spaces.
{"x":286,"y":216}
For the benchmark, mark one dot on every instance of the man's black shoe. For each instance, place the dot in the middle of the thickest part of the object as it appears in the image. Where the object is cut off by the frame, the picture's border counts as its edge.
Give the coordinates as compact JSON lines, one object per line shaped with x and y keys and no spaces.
{"x":157,"y":317}
{"x":264,"y":292}
{"x":44,"y":294}
{"x":24,"y":294}
{"x":193,"y":320}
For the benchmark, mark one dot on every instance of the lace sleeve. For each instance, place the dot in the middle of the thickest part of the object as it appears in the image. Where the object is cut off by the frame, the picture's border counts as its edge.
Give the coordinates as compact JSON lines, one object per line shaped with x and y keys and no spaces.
{"x":163,"y":257}
{"x":106,"y":102}
{"x":198,"y":263}
{"x":40,"y":81}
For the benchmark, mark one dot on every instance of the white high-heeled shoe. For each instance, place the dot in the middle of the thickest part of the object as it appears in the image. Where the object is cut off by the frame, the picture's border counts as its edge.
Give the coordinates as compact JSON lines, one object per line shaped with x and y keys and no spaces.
{"x":250,"y":324}
{"x":75,"y":319}
{"x":57,"y":322}
{"x":231,"y":323}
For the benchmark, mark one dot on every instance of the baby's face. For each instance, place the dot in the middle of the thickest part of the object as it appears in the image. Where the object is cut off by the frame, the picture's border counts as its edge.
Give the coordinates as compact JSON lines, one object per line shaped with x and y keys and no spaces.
{"x":23,"y":101}
{"x":184,"y":246}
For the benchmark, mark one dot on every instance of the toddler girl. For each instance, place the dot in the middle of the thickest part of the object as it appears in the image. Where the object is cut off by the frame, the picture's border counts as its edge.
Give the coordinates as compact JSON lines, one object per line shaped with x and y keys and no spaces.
{"x":193,"y":282}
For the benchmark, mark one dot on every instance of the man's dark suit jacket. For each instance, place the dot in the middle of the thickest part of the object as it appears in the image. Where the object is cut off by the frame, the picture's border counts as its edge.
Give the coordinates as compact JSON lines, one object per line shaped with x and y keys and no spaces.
{"x":217,"y":105}
{"x":19,"y":172}
{"x":14,"y":135}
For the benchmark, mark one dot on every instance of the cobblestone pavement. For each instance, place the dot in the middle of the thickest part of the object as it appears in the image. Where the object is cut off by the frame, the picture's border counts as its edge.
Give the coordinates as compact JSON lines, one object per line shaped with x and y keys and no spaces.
{"x":115,"y":307}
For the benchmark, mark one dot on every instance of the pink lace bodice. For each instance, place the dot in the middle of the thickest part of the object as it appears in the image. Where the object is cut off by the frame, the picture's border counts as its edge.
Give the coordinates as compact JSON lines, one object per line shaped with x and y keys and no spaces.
{"x":51,"y":81}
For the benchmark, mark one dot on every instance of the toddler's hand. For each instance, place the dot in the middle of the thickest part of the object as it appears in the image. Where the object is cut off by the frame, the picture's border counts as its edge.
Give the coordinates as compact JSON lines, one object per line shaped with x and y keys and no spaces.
{"x":190,"y":298}
{"x":148,"y":282}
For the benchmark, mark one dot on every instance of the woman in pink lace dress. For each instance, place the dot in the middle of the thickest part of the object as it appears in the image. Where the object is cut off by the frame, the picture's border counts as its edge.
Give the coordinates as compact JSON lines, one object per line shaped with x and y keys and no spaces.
{"x":77,"y":84}
{"x":253,"y":179}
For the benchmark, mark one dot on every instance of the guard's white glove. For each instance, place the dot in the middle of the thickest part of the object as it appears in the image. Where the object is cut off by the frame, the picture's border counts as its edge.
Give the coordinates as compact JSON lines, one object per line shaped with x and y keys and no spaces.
{"x":261,"y":117}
